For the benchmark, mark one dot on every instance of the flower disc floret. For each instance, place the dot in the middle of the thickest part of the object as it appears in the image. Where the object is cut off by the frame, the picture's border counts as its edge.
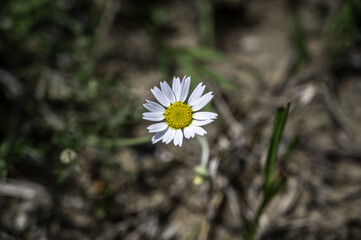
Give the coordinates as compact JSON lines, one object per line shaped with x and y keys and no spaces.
{"x":178,"y":115}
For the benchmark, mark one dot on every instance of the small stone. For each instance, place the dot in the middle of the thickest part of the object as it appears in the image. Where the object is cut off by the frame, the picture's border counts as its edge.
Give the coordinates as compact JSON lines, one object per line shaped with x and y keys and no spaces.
{"x":250,"y":44}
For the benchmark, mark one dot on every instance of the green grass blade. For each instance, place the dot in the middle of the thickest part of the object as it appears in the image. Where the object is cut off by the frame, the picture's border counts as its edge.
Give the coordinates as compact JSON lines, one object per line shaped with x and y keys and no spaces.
{"x":278,"y":126}
{"x":188,"y":66}
{"x":205,"y":54}
{"x":125,"y":142}
{"x":291,"y":146}
{"x":271,"y":156}
{"x":277,"y":185}
{"x":212,"y":75}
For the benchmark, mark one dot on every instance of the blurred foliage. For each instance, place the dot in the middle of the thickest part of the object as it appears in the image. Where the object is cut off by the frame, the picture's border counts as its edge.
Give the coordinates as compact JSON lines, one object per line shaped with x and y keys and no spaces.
{"x":43,"y":31}
{"x":206,"y":24}
{"x":19,"y":18}
{"x":193,"y":62}
{"x":343,"y":30}
{"x":3,"y":167}
{"x":65,"y":102}
{"x":299,"y":35}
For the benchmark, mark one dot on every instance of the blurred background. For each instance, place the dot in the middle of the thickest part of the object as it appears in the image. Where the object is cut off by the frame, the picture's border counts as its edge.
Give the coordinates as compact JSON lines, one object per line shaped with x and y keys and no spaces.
{"x":76,"y":161}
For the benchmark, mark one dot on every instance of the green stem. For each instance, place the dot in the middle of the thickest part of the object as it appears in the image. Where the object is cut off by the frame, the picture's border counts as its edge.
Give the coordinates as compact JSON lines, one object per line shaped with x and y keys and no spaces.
{"x":205,"y":150}
{"x":252,"y":229}
{"x":124,"y":142}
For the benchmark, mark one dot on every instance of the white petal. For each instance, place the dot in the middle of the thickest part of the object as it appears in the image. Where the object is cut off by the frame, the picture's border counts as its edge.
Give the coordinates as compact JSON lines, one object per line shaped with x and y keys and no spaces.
{"x":188,"y":132}
{"x":158,"y":136}
{"x":153,"y":106}
{"x":176,"y":87}
{"x":172,"y":135}
{"x":157,"y":127}
{"x":168,"y":92}
{"x":153,"y":116}
{"x":175,"y":142}
{"x":185,"y":88}
{"x":199,"y":130}
{"x":196,"y":94}
{"x":166,"y":135}
{"x":201,"y":123}
{"x":178,"y":139}
{"x":200,"y":103}
{"x":169,"y":135}
{"x":205,"y":115}
{"x":160,"y":96}
{"x":181,"y":138}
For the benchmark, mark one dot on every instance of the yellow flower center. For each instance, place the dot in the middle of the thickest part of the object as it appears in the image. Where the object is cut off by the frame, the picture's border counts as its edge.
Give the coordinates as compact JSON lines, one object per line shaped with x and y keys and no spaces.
{"x":178,"y":115}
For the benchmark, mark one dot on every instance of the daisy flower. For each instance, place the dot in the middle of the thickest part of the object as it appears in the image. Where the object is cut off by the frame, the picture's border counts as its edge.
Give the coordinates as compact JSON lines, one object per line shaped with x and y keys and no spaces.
{"x":180,"y":117}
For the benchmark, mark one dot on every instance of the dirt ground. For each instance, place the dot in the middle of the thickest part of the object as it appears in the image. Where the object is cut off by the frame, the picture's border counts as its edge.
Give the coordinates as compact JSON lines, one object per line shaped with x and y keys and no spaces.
{"x":146,"y":191}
